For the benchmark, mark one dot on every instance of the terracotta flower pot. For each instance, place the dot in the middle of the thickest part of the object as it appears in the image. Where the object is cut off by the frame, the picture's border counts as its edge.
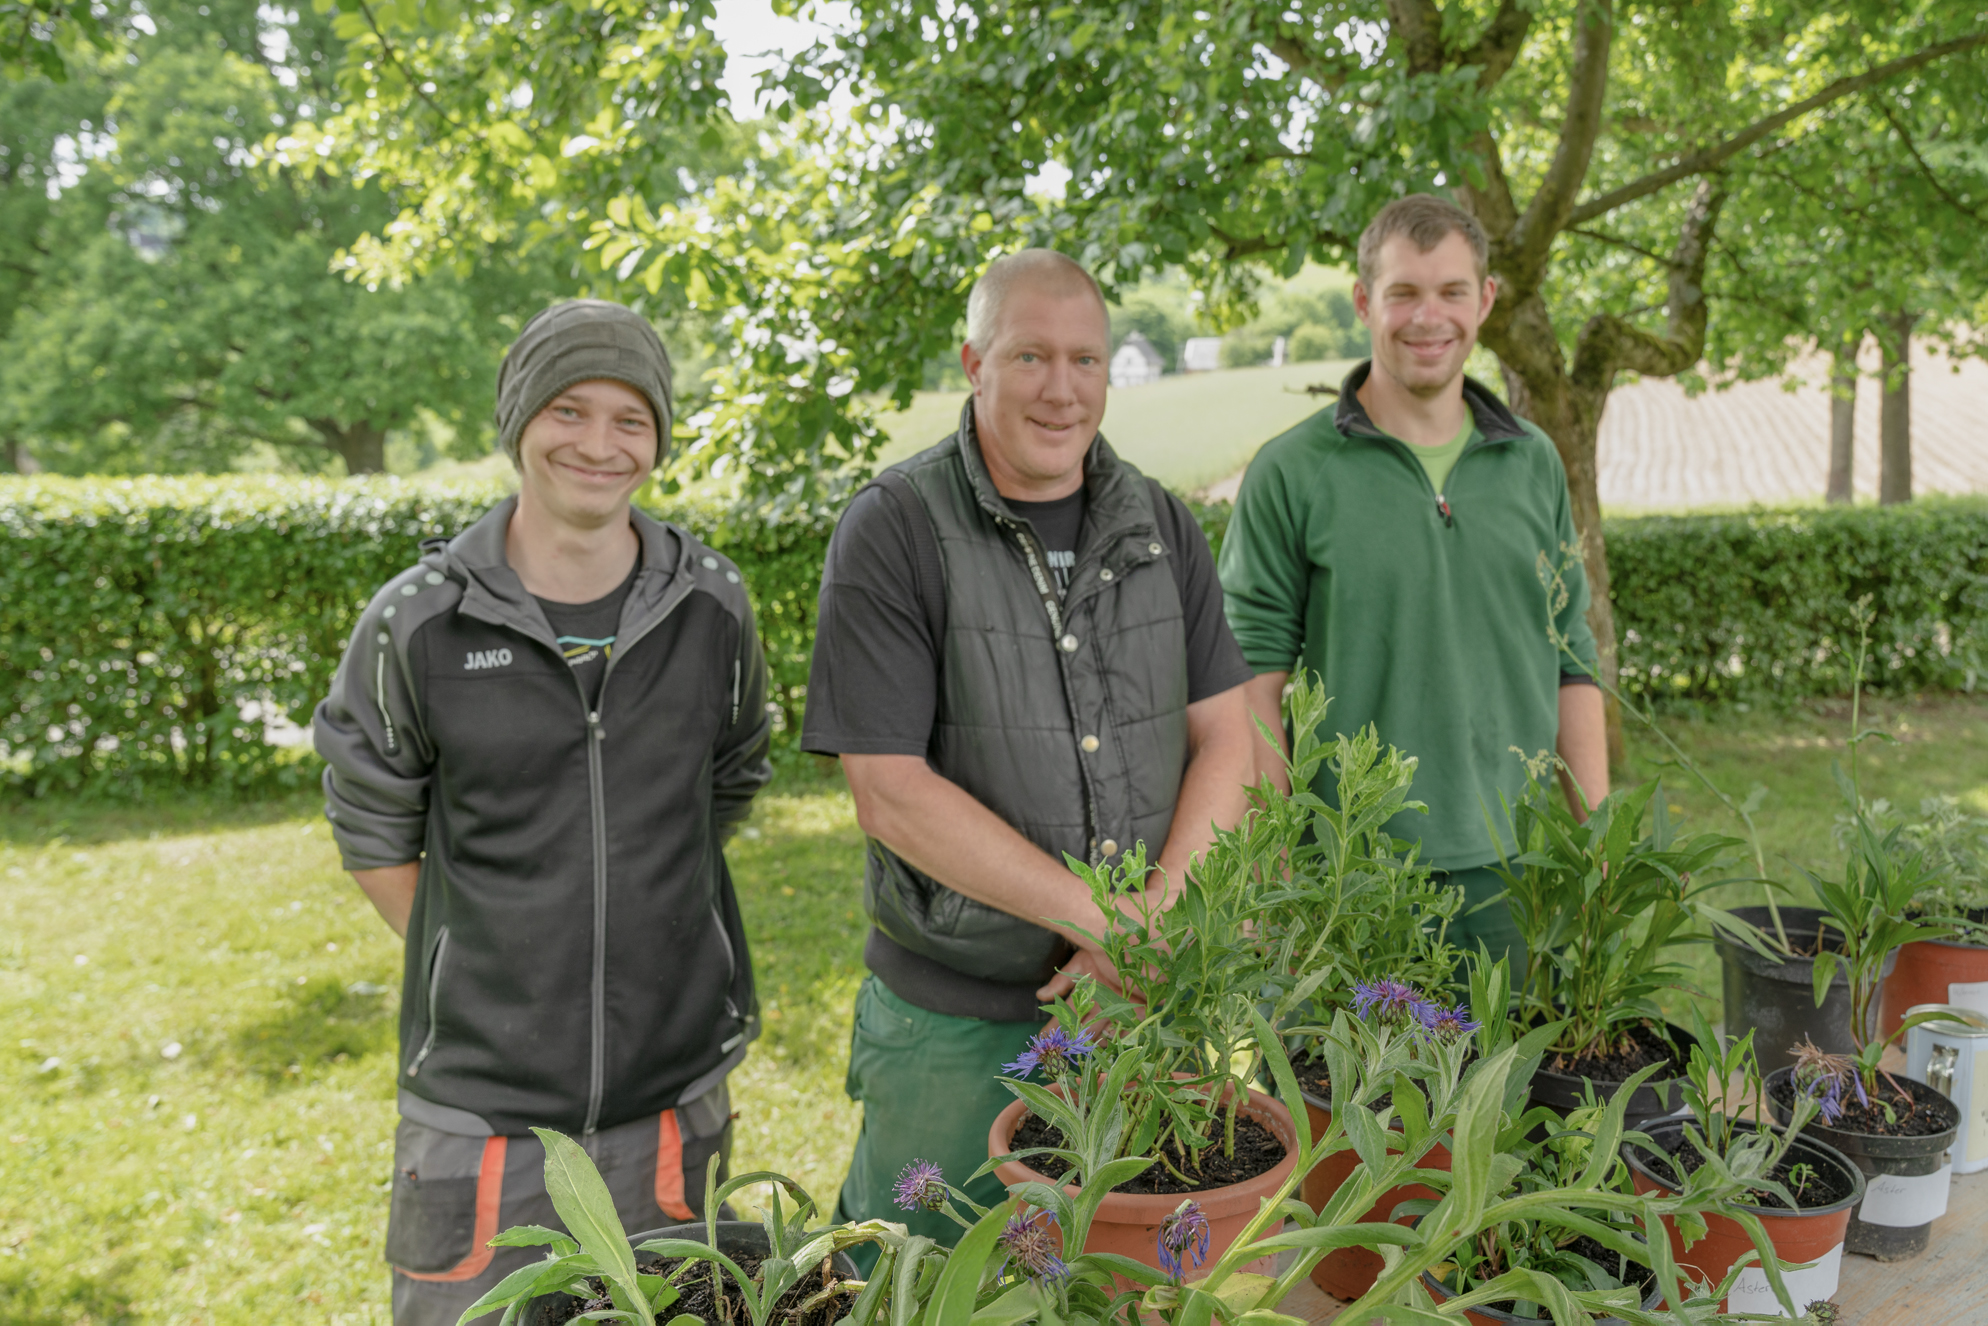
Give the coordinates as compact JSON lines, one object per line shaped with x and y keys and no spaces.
{"x":1927,"y":971}
{"x":1129,"y":1223}
{"x":1812,"y":1235}
{"x":1347,"y":1273}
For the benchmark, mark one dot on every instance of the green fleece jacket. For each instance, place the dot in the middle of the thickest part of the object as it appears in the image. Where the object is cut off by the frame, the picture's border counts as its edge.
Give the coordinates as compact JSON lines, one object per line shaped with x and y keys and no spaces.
{"x":1426,"y":614}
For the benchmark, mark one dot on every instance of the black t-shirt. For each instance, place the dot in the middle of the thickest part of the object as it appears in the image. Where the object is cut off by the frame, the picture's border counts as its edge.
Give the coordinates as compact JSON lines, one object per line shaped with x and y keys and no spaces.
{"x":586,"y":633}
{"x":1057,"y":524}
{"x":873,"y":688}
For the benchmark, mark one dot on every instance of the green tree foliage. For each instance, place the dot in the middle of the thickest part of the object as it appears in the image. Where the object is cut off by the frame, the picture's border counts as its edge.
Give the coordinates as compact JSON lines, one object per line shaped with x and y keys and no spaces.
{"x":184,"y":305}
{"x":1600,"y":142}
{"x":1317,"y":323}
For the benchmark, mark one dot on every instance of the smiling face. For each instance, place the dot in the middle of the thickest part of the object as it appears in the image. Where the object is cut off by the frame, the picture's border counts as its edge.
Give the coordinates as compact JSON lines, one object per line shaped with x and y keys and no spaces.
{"x":1039,"y":390}
{"x":583,"y":456}
{"x":1424,"y":310}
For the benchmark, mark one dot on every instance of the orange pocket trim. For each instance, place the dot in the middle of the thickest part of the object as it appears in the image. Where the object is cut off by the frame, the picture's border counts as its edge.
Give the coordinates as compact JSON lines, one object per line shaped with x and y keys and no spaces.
{"x":489,"y":1195}
{"x":669,"y":1169}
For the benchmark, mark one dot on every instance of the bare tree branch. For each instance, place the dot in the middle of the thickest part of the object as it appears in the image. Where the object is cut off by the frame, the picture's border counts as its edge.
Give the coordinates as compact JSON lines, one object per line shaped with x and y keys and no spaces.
{"x":1698,"y":163}
{"x":1419,"y":25}
{"x":1602,"y":237}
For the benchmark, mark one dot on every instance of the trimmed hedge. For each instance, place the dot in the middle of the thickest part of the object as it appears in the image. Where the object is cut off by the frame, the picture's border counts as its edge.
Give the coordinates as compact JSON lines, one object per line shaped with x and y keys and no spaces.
{"x":142,"y":619}
{"x":1758,"y":604}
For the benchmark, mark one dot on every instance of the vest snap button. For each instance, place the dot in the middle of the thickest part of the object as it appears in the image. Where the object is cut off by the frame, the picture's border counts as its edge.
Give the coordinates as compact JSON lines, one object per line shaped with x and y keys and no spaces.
{"x":1109,"y":847}
{"x":1068,"y":644}
{"x":1105,"y":574}
{"x":1155,"y":549}
{"x":1089,"y":744}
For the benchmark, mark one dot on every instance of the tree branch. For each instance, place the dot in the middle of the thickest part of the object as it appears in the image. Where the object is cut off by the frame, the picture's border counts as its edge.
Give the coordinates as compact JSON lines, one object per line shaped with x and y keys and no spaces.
{"x":1499,"y":44}
{"x":1419,"y":25}
{"x":1617,"y":241}
{"x":386,"y":49}
{"x":1698,"y":163}
{"x":1884,"y":108}
{"x":1531,"y":242}
{"x":1609,"y":344}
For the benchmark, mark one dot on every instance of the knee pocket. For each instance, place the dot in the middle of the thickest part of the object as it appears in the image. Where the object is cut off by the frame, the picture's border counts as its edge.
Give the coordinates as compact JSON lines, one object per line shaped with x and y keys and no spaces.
{"x":446,"y":1193}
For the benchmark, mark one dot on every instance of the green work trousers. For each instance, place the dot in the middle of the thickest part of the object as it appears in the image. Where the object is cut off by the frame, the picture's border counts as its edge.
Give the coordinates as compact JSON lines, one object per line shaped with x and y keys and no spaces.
{"x":930,"y":1087}
{"x":1492,"y":924}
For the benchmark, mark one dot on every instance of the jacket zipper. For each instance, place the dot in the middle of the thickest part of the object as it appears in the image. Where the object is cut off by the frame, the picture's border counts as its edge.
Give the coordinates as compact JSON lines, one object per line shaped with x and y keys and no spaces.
{"x":1442,"y":501}
{"x":434,"y":994}
{"x":732,"y":974}
{"x":597,"y":803}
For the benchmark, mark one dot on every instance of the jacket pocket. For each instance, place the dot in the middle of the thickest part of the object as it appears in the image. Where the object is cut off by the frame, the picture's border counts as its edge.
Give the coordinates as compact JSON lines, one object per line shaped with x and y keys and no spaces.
{"x":435,"y":966}
{"x":447,"y":1195}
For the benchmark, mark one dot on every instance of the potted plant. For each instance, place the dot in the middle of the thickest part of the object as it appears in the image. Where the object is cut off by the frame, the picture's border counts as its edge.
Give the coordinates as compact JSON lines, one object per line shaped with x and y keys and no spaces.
{"x":1601,"y":905}
{"x":1896,"y":1129}
{"x":719,"y":1273}
{"x":1796,"y":1193}
{"x":1952,"y":969}
{"x":1020,"y":1250}
{"x":1353,"y":909}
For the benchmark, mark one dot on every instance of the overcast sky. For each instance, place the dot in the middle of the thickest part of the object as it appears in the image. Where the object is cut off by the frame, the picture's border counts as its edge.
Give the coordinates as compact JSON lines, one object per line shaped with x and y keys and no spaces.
{"x":755,"y":38}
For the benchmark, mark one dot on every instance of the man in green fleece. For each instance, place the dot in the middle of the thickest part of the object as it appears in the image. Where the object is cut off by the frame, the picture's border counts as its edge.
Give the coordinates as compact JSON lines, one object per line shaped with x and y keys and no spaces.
{"x":1394,"y":545}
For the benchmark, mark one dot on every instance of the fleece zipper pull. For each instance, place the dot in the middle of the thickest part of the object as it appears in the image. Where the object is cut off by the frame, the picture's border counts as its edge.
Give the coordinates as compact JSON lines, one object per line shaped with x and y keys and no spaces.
{"x":1443,"y":509}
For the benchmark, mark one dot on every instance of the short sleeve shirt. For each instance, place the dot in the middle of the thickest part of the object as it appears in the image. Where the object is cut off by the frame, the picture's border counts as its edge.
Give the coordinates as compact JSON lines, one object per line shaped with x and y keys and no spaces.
{"x":873,"y":688}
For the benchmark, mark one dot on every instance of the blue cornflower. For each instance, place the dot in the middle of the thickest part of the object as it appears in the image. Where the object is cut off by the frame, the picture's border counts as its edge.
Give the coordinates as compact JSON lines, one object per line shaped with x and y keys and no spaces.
{"x":921,"y":1186}
{"x":1446,"y":1024}
{"x":1054,"y":1051}
{"x":1386,"y":1000}
{"x":1183,"y":1233}
{"x":1031,"y":1246}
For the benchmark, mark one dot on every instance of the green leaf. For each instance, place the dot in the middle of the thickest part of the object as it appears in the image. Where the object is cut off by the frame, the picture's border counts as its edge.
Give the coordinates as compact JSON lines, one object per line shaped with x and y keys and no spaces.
{"x":587,"y":1208}
{"x":953,"y":1297}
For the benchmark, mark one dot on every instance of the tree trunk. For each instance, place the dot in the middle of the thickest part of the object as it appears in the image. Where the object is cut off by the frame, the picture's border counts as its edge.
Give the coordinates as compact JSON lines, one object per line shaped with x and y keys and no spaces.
{"x":1843,"y":418}
{"x":362,"y":446}
{"x":20,"y":459}
{"x":1895,"y":412}
{"x":1540,"y":391}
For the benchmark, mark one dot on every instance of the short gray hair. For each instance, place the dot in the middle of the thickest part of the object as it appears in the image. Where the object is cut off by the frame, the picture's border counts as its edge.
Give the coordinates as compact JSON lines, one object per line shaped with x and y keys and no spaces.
{"x":1426,"y":221}
{"x":1041,"y":269}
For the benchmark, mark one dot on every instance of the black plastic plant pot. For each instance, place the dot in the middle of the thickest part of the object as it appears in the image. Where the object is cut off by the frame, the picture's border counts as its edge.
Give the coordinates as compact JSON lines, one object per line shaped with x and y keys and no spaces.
{"x":734,"y":1237}
{"x":1658,"y":1098}
{"x":1907,"y":1179}
{"x":1776,"y":1000}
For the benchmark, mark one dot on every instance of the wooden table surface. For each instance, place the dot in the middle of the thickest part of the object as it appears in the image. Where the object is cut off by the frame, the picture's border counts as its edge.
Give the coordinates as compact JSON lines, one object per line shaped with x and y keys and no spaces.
{"x":1947,"y":1285}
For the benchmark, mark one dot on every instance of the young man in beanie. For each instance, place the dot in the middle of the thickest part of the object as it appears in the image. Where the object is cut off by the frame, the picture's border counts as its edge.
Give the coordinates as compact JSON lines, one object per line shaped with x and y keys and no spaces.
{"x":538,"y":739}
{"x":1393,"y":546}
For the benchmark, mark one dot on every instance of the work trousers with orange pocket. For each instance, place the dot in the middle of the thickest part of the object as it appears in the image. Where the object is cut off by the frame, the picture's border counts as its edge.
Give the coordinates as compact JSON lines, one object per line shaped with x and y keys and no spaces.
{"x":451,"y":1193}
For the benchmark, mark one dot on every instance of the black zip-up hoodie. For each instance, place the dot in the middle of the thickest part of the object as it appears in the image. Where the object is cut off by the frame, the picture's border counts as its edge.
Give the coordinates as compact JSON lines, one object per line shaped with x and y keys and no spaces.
{"x":575,"y":958}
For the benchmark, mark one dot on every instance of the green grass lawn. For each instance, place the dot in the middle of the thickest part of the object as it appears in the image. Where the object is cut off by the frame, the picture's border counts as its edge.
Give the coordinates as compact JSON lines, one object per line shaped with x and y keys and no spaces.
{"x":1187,"y":430}
{"x":242,"y":1177}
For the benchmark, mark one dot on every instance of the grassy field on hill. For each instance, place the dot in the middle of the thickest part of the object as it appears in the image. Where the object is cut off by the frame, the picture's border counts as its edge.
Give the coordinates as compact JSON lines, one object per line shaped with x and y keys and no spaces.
{"x":196,"y":1108}
{"x":1187,"y":430}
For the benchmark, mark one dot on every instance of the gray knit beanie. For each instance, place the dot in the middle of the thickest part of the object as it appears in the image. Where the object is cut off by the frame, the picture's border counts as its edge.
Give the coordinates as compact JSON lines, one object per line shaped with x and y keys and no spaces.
{"x":580,"y":341}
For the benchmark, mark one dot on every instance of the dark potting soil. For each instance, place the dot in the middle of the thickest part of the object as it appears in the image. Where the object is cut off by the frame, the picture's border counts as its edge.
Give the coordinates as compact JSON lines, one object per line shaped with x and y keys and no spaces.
{"x":1913,"y":1115}
{"x":1640,"y":1047}
{"x":1628,"y":1272}
{"x":1257,"y":1152}
{"x":1823,"y":1186}
{"x":695,"y":1296}
{"x":1314,"y":1076}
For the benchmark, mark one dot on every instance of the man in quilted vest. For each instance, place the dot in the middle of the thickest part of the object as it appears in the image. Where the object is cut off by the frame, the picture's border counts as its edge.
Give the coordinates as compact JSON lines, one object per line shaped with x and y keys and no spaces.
{"x":1021,"y":654}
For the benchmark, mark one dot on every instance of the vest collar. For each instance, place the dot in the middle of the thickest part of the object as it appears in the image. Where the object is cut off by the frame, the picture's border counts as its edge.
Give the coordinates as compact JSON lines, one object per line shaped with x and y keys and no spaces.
{"x":1115,"y":501}
{"x":1496,"y":422}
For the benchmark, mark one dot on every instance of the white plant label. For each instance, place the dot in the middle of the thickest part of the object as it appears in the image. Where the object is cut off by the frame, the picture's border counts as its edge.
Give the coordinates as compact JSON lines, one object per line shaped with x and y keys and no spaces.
{"x":1969,"y":994}
{"x":1811,"y":1284}
{"x":1904,"y":1201}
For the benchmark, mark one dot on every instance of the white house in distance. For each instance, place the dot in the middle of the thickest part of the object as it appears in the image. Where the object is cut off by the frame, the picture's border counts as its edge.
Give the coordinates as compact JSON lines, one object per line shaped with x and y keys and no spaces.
{"x":1136,"y":362}
{"x":1201,"y":354}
